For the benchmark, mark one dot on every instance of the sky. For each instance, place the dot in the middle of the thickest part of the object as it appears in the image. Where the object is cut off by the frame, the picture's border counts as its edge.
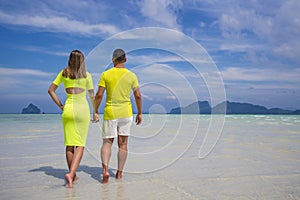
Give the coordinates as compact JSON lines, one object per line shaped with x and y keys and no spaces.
{"x":182,"y":51}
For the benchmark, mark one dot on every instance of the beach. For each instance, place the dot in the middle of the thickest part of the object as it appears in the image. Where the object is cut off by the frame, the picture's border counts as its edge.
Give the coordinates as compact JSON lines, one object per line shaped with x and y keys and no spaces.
{"x":170,"y":157}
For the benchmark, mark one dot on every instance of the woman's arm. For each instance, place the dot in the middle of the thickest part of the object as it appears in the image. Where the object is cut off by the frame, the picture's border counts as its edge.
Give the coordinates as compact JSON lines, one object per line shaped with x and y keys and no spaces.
{"x":92,"y":97}
{"x":98,"y":98}
{"x":54,"y":97}
{"x":92,"y":100}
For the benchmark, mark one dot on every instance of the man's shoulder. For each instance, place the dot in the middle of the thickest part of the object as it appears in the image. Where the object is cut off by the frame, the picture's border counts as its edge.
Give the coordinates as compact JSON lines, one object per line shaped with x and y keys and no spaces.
{"x":129,"y":71}
{"x":109,"y":70}
{"x":132,"y":73}
{"x":117,"y":70}
{"x":106,"y":71}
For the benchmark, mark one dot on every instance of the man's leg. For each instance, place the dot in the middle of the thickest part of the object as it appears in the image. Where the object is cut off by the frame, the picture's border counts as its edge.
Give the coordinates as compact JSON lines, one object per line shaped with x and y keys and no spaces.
{"x":105,"y":156}
{"x":122,"y":154}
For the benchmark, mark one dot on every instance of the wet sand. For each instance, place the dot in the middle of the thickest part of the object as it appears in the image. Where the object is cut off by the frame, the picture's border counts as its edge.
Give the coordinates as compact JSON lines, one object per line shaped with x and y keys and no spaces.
{"x":254,"y":159}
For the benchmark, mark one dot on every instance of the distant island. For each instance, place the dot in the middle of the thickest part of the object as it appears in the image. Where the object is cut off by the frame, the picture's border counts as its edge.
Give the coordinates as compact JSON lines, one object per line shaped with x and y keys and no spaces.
{"x":203,"y":107}
{"x":31,"y":109}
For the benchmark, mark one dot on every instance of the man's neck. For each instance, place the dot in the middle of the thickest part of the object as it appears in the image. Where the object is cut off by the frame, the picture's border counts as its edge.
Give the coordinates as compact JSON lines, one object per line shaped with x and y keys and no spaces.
{"x":119,"y":65}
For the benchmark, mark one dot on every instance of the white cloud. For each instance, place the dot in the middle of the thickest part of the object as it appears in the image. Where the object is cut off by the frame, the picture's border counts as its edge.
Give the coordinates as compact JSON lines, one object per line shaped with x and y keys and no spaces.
{"x":285,"y":37}
{"x":142,"y":59}
{"x":162,"y":11}
{"x":164,"y":82}
{"x":24,"y":81}
{"x":154,"y":34}
{"x":43,"y":50}
{"x":278,"y":29}
{"x":58,"y":24}
{"x":4,"y":72}
{"x":270,"y":28}
{"x":265,"y":75}
{"x":234,"y":47}
{"x":239,"y":20}
{"x":148,"y":97}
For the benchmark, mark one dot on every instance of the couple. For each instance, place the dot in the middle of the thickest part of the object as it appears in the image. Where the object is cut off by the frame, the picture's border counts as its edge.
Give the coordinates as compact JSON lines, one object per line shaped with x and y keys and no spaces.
{"x":118,"y":82}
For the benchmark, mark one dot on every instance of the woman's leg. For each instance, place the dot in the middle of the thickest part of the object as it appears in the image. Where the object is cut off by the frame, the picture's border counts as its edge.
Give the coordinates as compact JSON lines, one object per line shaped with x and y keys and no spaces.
{"x":78,"y":152}
{"x":69,"y":155}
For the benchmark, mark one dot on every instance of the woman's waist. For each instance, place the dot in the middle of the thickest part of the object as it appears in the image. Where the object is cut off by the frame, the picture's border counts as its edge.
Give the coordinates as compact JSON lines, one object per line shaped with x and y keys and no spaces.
{"x":76,"y":99}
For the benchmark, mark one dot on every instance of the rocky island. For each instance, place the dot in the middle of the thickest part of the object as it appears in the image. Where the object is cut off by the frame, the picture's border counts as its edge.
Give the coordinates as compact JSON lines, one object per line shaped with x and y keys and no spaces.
{"x":203,"y":107}
{"x":31,"y":109}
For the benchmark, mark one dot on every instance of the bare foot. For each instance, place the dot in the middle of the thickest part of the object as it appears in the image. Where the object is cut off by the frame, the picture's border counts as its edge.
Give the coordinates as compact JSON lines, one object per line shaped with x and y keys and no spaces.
{"x":119,"y":175}
{"x":75,"y":179}
{"x":69,"y":181}
{"x":105,"y":178}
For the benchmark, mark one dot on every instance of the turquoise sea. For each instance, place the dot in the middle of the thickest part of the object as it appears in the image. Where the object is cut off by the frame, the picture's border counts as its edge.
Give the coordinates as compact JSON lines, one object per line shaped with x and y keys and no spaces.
{"x":170,"y":157}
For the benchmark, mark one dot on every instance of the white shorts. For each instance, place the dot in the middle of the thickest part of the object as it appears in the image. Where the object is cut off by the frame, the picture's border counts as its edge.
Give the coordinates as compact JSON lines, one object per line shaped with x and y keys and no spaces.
{"x":115,"y":127}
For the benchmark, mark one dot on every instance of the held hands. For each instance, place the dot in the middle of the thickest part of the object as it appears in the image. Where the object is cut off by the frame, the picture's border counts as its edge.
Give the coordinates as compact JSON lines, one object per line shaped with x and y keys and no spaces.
{"x":95,"y":118}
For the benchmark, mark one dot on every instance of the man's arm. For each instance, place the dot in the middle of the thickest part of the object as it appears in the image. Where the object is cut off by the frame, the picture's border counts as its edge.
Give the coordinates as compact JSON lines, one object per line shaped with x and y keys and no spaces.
{"x":97,"y":101}
{"x":138,"y":102}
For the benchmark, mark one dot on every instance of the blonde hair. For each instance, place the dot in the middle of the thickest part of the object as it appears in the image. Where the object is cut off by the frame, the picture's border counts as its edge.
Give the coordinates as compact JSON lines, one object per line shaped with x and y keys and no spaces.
{"x":76,"y":66}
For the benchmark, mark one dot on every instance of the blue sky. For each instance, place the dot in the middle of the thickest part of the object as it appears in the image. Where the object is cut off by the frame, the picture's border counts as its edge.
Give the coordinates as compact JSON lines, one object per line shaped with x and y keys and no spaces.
{"x":253,"y":45}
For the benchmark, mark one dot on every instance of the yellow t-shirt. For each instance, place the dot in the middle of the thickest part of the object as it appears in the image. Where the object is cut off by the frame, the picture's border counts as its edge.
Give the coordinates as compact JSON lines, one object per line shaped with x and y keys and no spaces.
{"x":118,"y":83}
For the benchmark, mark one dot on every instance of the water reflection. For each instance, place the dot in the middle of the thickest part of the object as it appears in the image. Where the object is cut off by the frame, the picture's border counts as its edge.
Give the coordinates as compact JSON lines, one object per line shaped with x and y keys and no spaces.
{"x":105,"y":192}
{"x":121,"y":191}
{"x":113,"y":191}
{"x":70,"y":194}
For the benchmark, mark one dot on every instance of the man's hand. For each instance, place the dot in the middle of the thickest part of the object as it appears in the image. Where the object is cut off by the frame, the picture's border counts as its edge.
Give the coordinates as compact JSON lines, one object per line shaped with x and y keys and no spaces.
{"x":138,"y":119}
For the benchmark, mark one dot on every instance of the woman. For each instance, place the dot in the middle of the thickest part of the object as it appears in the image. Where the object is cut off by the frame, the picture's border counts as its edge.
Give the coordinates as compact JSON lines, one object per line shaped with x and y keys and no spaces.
{"x":76,"y":111}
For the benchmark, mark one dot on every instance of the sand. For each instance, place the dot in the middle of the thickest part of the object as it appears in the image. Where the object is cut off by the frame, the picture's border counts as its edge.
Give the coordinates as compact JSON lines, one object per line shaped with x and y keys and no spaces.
{"x":253,"y":159}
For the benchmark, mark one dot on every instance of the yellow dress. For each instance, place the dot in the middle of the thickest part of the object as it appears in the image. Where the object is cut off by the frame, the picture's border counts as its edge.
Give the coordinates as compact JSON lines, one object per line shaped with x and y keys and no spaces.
{"x":76,"y":113}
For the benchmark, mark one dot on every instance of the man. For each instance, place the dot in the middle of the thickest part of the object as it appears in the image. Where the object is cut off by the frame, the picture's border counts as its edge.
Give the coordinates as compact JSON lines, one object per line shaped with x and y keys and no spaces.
{"x":118,"y":82}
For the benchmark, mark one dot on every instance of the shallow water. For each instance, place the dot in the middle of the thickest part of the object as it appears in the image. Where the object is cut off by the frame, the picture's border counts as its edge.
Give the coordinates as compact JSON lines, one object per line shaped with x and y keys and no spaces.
{"x":170,"y":157}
